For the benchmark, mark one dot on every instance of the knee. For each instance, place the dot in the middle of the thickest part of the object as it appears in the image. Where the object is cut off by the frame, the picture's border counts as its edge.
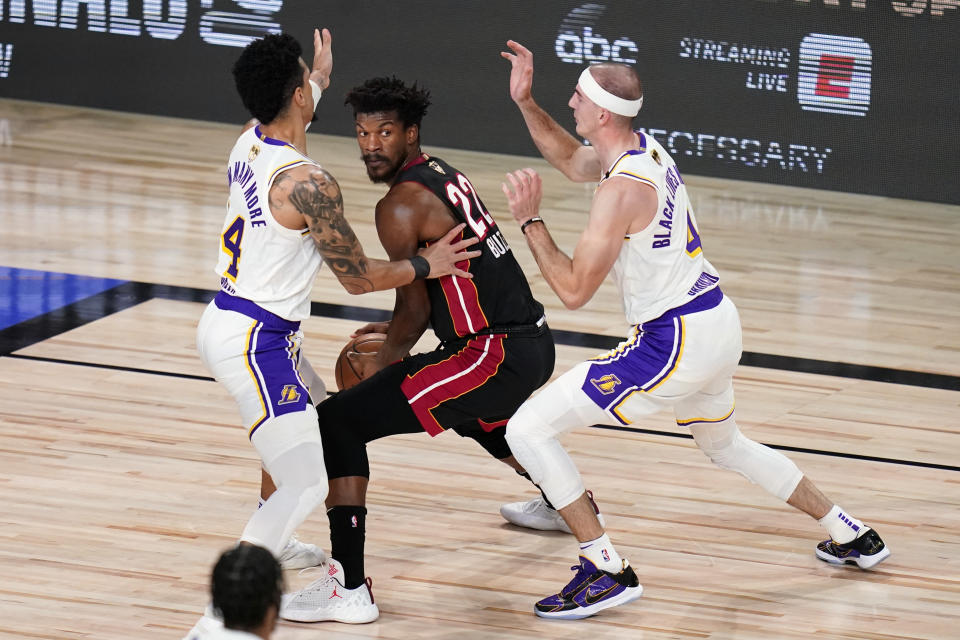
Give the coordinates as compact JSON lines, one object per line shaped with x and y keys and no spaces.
{"x":310,"y":487}
{"x":721,"y":442}
{"x":525,"y":427}
{"x":313,"y":495}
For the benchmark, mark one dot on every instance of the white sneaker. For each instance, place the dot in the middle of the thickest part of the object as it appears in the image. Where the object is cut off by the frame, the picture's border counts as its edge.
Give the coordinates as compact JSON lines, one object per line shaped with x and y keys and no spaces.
{"x":535,"y":514}
{"x":205,"y":626}
{"x":328,"y":599}
{"x":300,"y":555}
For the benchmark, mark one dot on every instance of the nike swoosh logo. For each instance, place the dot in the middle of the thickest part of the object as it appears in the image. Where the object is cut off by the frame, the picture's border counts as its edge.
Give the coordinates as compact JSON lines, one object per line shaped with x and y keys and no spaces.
{"x":590,"y":598}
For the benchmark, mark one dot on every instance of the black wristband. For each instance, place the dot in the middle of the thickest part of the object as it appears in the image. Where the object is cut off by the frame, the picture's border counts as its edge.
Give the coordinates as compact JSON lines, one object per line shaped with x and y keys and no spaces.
{"x":421,"y":268}
{"x":523,"y":227}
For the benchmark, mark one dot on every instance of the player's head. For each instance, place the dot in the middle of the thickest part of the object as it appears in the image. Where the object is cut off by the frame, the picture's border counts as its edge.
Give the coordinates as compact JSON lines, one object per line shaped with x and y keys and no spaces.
{"x":272,"y":79}
{"x":387,"y":114}
{"x":247,"y":585}
{"x":607,"y":95}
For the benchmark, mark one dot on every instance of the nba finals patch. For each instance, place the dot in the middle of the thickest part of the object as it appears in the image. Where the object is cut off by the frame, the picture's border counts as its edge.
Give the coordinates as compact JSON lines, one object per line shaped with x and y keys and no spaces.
{"x":254,"y":152}
{"x":606,"y":384}
{"x":436,"y":167}
{"x":655,"y":156}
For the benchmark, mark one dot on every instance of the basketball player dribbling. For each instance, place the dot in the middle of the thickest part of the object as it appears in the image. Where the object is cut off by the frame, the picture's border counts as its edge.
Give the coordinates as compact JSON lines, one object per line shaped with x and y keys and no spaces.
{"x":686,"y":338}
{"x":284,"y":219}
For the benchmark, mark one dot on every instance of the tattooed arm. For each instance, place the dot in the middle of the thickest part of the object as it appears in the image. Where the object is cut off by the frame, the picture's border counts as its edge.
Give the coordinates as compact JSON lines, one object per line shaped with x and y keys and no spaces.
{"x":311,"y":194}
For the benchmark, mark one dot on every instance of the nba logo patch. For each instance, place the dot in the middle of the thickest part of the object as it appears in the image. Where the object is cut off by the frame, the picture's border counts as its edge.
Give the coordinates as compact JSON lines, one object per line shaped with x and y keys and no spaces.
{"x":606,"y":384}
{"x":606,"y":556}
{"x":835,"y":74}
{"x":353,"y":521}
{"x":289,"y":394}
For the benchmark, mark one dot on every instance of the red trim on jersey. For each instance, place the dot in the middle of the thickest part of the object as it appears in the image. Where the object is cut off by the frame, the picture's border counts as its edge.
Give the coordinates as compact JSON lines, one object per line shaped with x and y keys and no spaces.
{"x":490,"y":426}
{"x":463,"y":301}
{"x":461,"y":373}
{"x":420,"y":159}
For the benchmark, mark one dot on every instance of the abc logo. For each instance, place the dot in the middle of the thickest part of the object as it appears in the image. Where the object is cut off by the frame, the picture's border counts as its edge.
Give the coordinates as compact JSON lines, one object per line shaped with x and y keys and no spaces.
{"x":587,"y":47}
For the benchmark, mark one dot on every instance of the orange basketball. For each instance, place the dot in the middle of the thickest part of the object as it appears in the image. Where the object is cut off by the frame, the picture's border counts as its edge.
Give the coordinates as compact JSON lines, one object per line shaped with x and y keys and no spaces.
{"x":343,"y":372}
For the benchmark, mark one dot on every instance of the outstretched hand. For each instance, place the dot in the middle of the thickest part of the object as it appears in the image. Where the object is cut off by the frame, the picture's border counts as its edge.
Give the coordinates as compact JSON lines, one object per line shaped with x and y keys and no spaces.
{"x":445,"y":254}
{"x":322,"y":58}
{"x":524,"y":199}
{"x":521,"y":71}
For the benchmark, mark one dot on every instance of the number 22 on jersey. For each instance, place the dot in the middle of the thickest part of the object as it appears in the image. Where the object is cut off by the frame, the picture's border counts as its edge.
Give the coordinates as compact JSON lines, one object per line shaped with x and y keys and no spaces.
{"x":230,"y":244}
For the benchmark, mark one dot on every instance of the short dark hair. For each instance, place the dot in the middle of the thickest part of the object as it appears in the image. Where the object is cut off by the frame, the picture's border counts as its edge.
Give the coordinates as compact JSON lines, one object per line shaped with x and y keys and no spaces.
{"x":267,"y":73}
{"x":390,"y":94}
{"x":246,"y":581}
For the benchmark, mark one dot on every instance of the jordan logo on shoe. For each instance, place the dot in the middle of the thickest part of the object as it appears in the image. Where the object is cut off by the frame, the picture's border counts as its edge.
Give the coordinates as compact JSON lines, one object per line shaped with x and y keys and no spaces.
{"x":335,"y":594}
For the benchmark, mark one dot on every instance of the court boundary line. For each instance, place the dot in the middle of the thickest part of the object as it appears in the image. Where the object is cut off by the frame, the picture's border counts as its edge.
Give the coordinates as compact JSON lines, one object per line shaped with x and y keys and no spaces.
{"x":654,"y":432}
{"x":132,"y":293}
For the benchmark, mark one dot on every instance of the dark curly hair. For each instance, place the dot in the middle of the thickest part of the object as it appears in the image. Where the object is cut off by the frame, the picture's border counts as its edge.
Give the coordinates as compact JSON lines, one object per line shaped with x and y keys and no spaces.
{"x":390,"y":94}
{"x":246,"y":581}
{"x":267,"y":73}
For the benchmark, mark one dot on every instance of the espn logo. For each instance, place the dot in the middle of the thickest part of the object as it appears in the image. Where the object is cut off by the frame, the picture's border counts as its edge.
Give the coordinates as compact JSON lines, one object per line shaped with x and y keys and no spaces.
{"x":834,"y":74}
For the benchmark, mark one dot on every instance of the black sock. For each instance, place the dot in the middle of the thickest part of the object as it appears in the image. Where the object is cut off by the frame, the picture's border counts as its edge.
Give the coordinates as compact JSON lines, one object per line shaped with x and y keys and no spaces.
{"x":348,"y":526}
{"x":545,"y":498}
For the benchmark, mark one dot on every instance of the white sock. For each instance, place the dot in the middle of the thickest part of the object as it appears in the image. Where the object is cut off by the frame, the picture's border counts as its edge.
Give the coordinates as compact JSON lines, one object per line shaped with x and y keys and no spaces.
{"x":602,"y":554}
{"x":841,"y":526}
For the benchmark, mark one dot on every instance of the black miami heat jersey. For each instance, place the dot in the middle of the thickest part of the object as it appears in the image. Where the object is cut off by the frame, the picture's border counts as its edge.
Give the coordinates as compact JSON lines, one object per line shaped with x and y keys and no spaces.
{"x":498,"y":295}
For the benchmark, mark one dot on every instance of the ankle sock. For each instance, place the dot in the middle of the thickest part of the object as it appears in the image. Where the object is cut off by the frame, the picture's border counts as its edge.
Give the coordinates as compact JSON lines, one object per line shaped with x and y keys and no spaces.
{"x":602,"y":554}
{"x":841,"y":526}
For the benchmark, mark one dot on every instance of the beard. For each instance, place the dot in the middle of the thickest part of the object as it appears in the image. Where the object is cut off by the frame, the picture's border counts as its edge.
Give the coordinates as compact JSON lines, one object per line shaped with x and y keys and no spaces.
{"x":383,"y":170}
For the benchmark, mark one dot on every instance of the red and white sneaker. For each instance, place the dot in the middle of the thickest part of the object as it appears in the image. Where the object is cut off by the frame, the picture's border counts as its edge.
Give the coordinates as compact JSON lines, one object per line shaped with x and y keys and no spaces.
{"x":327,"y":599}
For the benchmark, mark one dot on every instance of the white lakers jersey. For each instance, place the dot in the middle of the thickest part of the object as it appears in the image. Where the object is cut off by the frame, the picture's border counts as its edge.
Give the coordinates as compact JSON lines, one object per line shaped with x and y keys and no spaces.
{"x":662,"y":266}
{"x":260,"y":259}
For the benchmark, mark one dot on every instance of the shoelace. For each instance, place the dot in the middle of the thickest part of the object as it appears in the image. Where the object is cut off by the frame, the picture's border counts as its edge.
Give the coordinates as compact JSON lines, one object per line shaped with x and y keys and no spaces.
{"x":324,"y":578}
{"x":577,"y":579}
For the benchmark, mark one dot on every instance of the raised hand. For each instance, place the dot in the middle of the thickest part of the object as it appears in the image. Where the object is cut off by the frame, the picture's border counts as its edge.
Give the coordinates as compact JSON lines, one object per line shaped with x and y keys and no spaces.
{"x":521,"y":71}
{"x":322,"y":58}
{"x":524,"y":199}
{"x":446,"y":253}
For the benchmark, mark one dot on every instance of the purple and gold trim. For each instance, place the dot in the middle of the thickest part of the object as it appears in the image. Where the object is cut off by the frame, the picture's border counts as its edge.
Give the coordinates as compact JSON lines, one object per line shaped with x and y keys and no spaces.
{"x":253,"y":311}
{"x":687,"y":423}
{"x":250,"y":360}
{"x":268,"y":140}
{"x":272,"y":358}
{"x":646,"y":360}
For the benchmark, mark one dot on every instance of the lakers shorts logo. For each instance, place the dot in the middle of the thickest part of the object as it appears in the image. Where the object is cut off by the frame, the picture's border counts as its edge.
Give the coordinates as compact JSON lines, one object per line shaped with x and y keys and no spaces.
{"x":606,"y":384}
{"x":289,"y":394}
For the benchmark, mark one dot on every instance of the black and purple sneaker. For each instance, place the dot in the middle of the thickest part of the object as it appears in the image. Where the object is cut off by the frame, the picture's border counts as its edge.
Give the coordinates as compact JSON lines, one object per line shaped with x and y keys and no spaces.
{"x":865,"y":551}
{"x":590,"y":592}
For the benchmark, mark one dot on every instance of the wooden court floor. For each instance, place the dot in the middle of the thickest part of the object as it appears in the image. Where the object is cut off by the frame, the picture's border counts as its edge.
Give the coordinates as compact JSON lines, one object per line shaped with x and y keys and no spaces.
{"x":123,"y":472}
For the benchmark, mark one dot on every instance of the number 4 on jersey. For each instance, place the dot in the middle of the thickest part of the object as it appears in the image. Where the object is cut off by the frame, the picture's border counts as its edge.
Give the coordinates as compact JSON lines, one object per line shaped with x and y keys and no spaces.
{"x":230,"y":244}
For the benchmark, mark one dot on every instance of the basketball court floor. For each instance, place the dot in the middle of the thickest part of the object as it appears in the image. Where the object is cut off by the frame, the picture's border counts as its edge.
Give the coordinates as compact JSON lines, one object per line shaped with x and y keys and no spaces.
{"x":124,"y":473}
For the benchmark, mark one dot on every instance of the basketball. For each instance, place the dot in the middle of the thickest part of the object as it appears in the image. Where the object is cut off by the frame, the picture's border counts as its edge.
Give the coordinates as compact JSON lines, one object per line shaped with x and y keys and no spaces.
{"x":343,"y":372}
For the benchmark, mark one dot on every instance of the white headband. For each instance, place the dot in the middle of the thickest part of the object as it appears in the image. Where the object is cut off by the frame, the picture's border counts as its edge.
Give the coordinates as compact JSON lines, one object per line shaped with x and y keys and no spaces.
{"x":603,"y":98}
